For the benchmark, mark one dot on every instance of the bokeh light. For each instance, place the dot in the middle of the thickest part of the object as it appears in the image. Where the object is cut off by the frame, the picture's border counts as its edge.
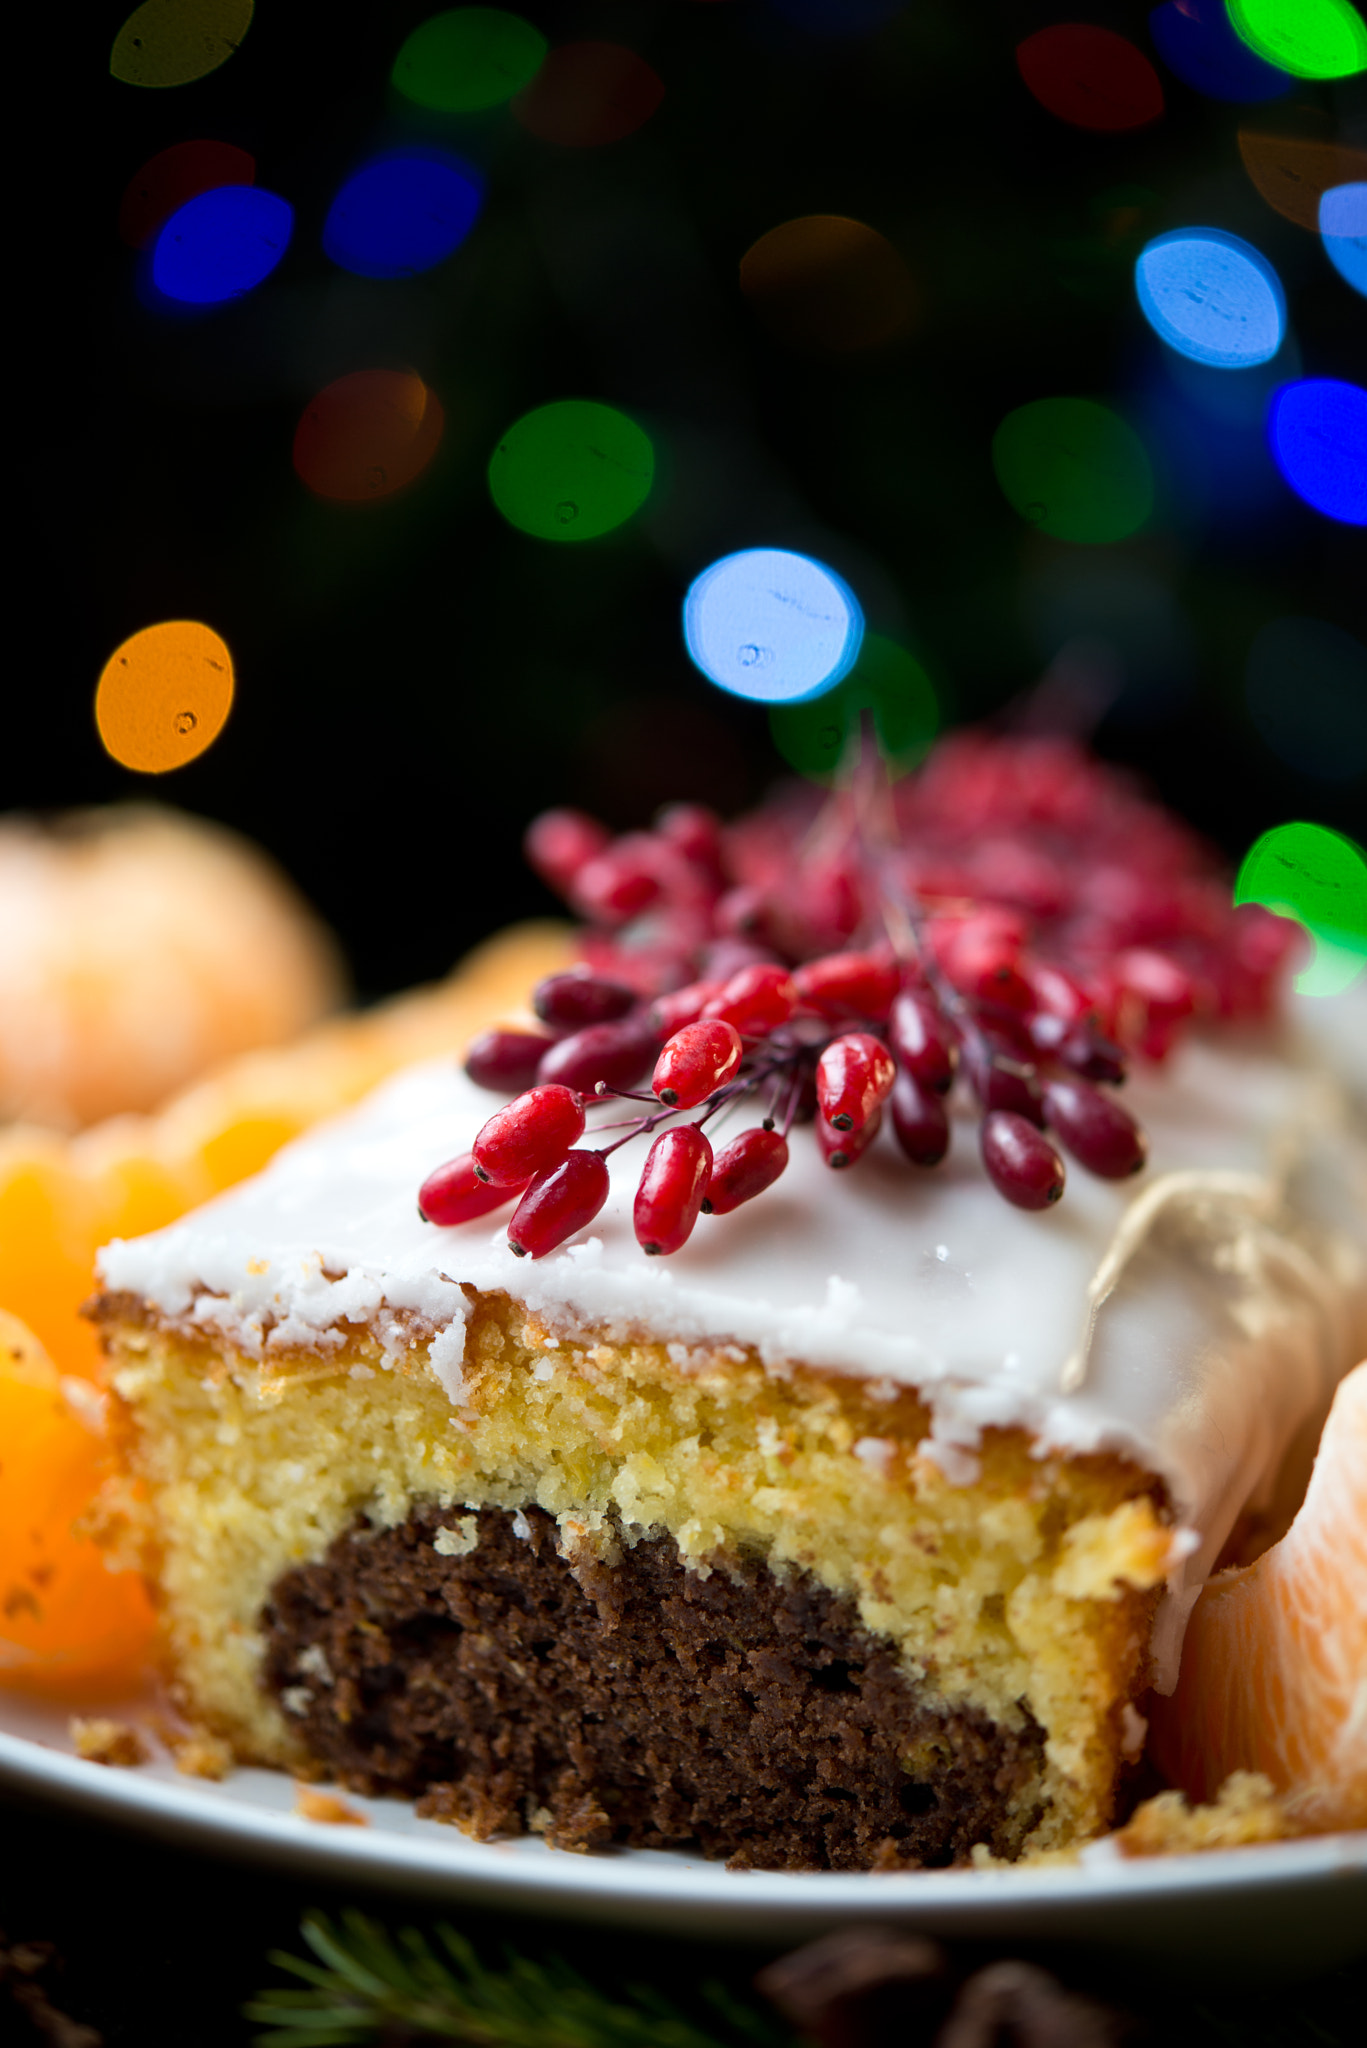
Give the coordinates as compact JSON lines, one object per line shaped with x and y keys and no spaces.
{"x":171,"y":177}
{"x":164,"y":696}
{"x":1317,"y":429}
{"x":1306,"y":690}
{"x":589,"y":94}
{"x":221,"y":244}
{"x":1308,"y":38}
{"x":1212,"y":297}
{"x":1196,"y":42}
{"x":401,"y":213}
{"x":571,"y":470}
{"x":467,"y":59}
{"x":1292,"y":170}
{"x":1319,"y":878}
{"x":886,"y":682}
{"x":367,"y":435}
{"x":1343,"y":224}
{"x":1090,"y":77}
{"x":174,"y":42}
{"x":772,"y":626}
{"x":828,"y":283}
{"x":1074,"y":469}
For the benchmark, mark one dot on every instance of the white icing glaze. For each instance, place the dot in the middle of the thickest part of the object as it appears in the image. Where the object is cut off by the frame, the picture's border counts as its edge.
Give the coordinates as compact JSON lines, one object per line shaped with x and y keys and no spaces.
{"x":1196,"y":1318}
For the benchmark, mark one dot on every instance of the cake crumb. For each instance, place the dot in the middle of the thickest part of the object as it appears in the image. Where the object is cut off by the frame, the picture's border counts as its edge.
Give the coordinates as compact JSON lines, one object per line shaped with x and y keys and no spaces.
{"x":1247,"y":1809}
{"x":107,"y":1742}
{"x":327,"y":1808}
{"x":460,"y":1541}
{"x":201,"y":1755}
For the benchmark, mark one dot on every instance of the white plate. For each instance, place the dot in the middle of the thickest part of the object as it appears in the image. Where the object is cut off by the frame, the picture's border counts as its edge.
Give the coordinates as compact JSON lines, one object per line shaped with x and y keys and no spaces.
{"x":1297,"y":1905}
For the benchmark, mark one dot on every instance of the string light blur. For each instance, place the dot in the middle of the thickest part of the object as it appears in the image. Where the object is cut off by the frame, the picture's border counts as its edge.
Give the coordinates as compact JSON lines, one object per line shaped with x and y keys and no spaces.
{"x":829,"y":284}
{"x":401,"y":213}
{"x":174,"y":42}
{"x":1196,"y":42}
{"x":589,"y":94}
{"x":1317,"y":430}
{"x":772,"y":626}
{"x":1292,"y":169}
{"x":886,"y":682}
{"x":1306,"y":690}
{"x":1319,"y":878}
{"x":467,"y":59}
{"x":221,"y":244}
{"x":1212,"y":297}
{"x":1309,"y":38}
{"x":367,"y":436}
{"x":1343,"y":224}
{"x":164,"y":696}
{"x":171,"y":177}
{"x":572,"y":470}
{"x":1074,"y":469}
{"x":1090,"y":77}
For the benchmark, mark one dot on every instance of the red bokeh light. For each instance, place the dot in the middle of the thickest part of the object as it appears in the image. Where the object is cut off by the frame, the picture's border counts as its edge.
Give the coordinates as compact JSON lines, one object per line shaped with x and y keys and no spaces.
{"x":171,"y":177}
{"x":586,"y":94}
{"x":1090,"y":77}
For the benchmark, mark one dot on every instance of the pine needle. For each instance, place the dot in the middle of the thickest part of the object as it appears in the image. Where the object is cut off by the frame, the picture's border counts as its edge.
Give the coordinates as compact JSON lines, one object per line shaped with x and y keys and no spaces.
{"x":368,"y":1985}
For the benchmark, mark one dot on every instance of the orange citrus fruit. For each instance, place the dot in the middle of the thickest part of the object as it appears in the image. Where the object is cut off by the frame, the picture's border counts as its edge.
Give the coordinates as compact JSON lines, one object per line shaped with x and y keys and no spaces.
{"x":1274,"y":1666}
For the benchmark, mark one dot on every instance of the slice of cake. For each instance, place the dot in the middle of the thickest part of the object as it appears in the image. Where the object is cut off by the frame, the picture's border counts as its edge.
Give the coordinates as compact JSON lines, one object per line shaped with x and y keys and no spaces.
{"x":848,"y":1534}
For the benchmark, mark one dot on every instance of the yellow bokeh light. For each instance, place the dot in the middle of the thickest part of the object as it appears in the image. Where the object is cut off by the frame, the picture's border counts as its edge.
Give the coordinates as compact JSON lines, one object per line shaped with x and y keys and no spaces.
{"x":174,"y":42}
{"x":164,"y":696}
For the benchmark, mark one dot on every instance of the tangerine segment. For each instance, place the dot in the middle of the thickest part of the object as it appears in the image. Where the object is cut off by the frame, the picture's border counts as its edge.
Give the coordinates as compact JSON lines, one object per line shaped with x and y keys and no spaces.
{"x":66,"y":1620}
{"x":1274,"y":1666}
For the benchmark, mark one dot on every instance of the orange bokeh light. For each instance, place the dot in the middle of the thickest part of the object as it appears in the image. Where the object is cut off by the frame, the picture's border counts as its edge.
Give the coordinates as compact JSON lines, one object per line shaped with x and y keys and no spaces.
{"x":368,"y":435}
{"x":164,"y":696}
{"x":828,"y":283}
{"x":1293,"y":165}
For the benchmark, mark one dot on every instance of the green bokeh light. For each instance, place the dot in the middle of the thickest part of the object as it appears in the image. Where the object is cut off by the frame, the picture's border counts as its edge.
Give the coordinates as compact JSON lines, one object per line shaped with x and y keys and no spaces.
{"x":1309,"y":38}
{"x":571,"y":470}
{"x":468,"y":58}
{"x":1319,"y":878}
{"x":1073,"y":469}
{"x":886,"y":682}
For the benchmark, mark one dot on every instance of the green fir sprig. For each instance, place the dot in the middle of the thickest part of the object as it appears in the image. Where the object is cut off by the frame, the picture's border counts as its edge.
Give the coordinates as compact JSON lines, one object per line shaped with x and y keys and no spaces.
{"x":368,"y":1985}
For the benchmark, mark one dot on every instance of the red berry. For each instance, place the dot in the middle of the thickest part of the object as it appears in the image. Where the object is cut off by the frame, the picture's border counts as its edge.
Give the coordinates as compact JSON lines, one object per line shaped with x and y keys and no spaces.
{"x":1092,"y":1056}
{"x":558,"y":1203}
{"x":620,"y":882}
{"x":922,"y":1040}
{"x":981,"y":956}
{"x":559,"y":843}
{"x":756,"y":1000}
{"x":726,"y":956}
{"x":456,"y":1194}
{"x":920,"y":1120}
{"x":842,"y":1148}
{"x":1002,"y":1082}
{"x":528,"y":1137}
{"x":854,"y":1077}
{"x":673,"y":1183}
{"x":618,"y":1055}
{"x":669,"y":1013}
{"x":750,"y":1164}
{"x":848,"y":984}
{"x":570,"y":1001}
{"x":695,"y":831}
{"x":505,"y":1060}
{"x":1101,"y":1135}
{"x":697,"y":1060}
{"x":1020,"y":1161}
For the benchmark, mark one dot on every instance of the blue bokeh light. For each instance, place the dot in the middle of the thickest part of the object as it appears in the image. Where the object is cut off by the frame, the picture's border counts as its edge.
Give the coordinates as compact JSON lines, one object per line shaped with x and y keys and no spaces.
{"x":1343,"y":224}
{"x":401,"y":213}
{"x":1317,"y":429}
{"x":772,"y":626}
{"x":1211,"y":297}
{"x":1199,"y":46}
{"x":221,"y":244}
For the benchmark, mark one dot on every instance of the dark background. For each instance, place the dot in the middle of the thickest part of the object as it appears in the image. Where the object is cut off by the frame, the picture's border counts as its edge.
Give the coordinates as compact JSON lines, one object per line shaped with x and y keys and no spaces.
{"x":415,"y":678}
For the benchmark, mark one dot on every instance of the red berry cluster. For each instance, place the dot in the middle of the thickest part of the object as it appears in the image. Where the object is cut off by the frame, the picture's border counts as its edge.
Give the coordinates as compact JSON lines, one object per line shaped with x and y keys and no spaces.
{"x":1019,"y":915}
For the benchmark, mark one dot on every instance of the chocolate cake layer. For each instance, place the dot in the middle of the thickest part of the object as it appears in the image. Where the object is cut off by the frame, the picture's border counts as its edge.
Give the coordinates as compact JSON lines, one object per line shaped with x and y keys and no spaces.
{"x":512,"y":1688}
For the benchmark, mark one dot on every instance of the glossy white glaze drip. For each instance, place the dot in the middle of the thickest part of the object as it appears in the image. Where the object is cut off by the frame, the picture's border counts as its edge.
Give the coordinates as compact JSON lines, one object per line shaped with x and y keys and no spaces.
{"x":1196,"y":1319}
